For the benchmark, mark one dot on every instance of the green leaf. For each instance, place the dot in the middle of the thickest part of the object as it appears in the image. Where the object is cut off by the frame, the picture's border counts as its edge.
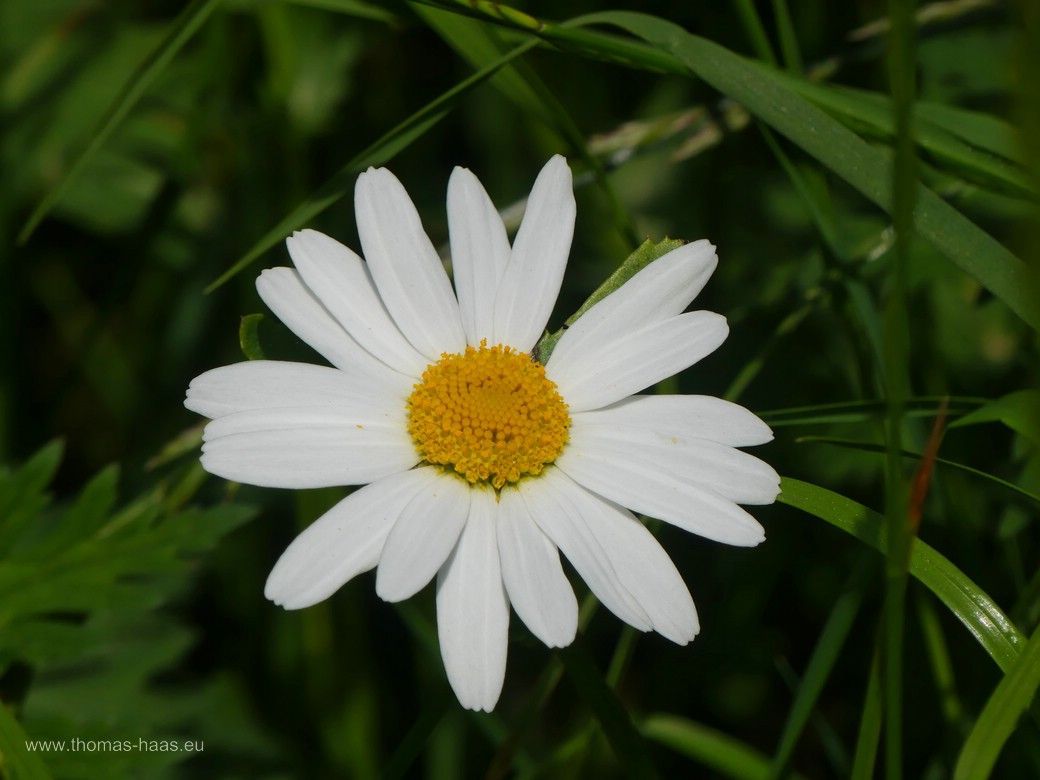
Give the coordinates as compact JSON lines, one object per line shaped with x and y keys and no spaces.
{"x":1019,"y":411}
{"x":381,"y":151}
{"x":16,"y":762}
{"x":249,"y":336}
{"x":22,"y":495}
{"x":969,"y":603}
{"x":645,"y":254}
{"x":182,"y":28}
{"x":714,"y":749}
{"x":626,"y":742}
{"x":1009,"y":700}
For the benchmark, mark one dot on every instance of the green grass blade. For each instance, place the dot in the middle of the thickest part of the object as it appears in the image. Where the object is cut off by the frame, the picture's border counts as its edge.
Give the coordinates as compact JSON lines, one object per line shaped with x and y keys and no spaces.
{"x":381,"y":151}
{"x":1009,"y":700}
{"x":940,"y":662}
{"x":983,"y":131}
{"x":714,"y":749}
{"x":478,"y":45}
{"x":864,"y":411}
{"x":790,"y":51}
{"x":824,"y":656}
{"x":417,"y":737}
{"x":1019,"y":411}
{"x":755,"y":31}
{"x":969,"y":603}
{"x":16,"y":762}
{"x":869,"y":736}
{"x":871,"y":114}
{"x":867,"y":446}
{"x":357,"y":8}
{"x":182,"y":28}
{"x":626,"y":742}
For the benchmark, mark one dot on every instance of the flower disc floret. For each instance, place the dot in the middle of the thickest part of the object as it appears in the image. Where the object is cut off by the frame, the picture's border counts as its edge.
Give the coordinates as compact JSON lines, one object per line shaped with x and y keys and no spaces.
{"x":489,"y":413}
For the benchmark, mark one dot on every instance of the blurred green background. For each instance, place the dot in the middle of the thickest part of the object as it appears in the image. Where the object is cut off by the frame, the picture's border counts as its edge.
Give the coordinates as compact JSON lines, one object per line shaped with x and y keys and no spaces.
{"x":205,"y":126}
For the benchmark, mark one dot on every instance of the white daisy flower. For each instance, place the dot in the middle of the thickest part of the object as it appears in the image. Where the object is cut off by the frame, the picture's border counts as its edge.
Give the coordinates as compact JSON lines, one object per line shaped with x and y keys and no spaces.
{"x":479,"y":464}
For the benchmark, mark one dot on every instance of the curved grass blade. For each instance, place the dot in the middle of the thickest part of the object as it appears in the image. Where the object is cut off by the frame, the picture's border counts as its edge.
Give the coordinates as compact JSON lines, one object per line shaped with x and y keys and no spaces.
{"x":382,"y":150}
{"x":714,"y":749}
{"x":969,"y":603}
{"x":867,"y":446}
{"x":188,"y":21}
{"x":864,"y":411}
{"x":1010,"y":699}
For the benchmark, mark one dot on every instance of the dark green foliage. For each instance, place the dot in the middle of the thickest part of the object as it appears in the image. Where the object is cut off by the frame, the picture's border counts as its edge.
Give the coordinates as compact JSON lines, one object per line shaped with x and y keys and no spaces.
{"x":156,"y":154}
{"x":88,"y":625}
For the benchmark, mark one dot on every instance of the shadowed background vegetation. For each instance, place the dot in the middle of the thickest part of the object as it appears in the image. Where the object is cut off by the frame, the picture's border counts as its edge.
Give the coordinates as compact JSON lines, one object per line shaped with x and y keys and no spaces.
{"x":867,"y":172}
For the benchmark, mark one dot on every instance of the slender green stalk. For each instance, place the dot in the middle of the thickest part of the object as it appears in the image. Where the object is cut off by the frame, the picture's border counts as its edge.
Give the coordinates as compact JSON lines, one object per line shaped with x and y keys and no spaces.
{"x":755,"y":30}
{"x":869,"y":734}
{"x":901,"y":59}
{"x":789,"y":49}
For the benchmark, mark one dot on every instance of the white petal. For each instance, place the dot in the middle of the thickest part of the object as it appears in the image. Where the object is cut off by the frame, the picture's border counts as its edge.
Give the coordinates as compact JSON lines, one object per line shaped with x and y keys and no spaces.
{"x":636,"y":360}
{"x":552,"y":502}
{"x":730,"y":473}
{"x":271,"y":384}
{"x":641,"y":565}
{"x":343,"y":284}
{"x":479,"y":253}
{"x":405,"y":266}
{"x":687,"y":416}
{"x":285,"y":293}
{"x":531,"y":280}
{"x":357,"y":414}
{"x":304,"y":448}
{"x":472,"y":611}
{"x":342,"y":543}
{"x":651,"y":491}
{"x":533,"y":575}
{"x":661,"y":290}
{"x":422,"y":538}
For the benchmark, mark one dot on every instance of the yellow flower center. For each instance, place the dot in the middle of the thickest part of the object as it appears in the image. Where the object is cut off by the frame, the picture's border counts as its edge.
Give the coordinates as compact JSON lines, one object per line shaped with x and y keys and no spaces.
{"x":489,"y":413}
